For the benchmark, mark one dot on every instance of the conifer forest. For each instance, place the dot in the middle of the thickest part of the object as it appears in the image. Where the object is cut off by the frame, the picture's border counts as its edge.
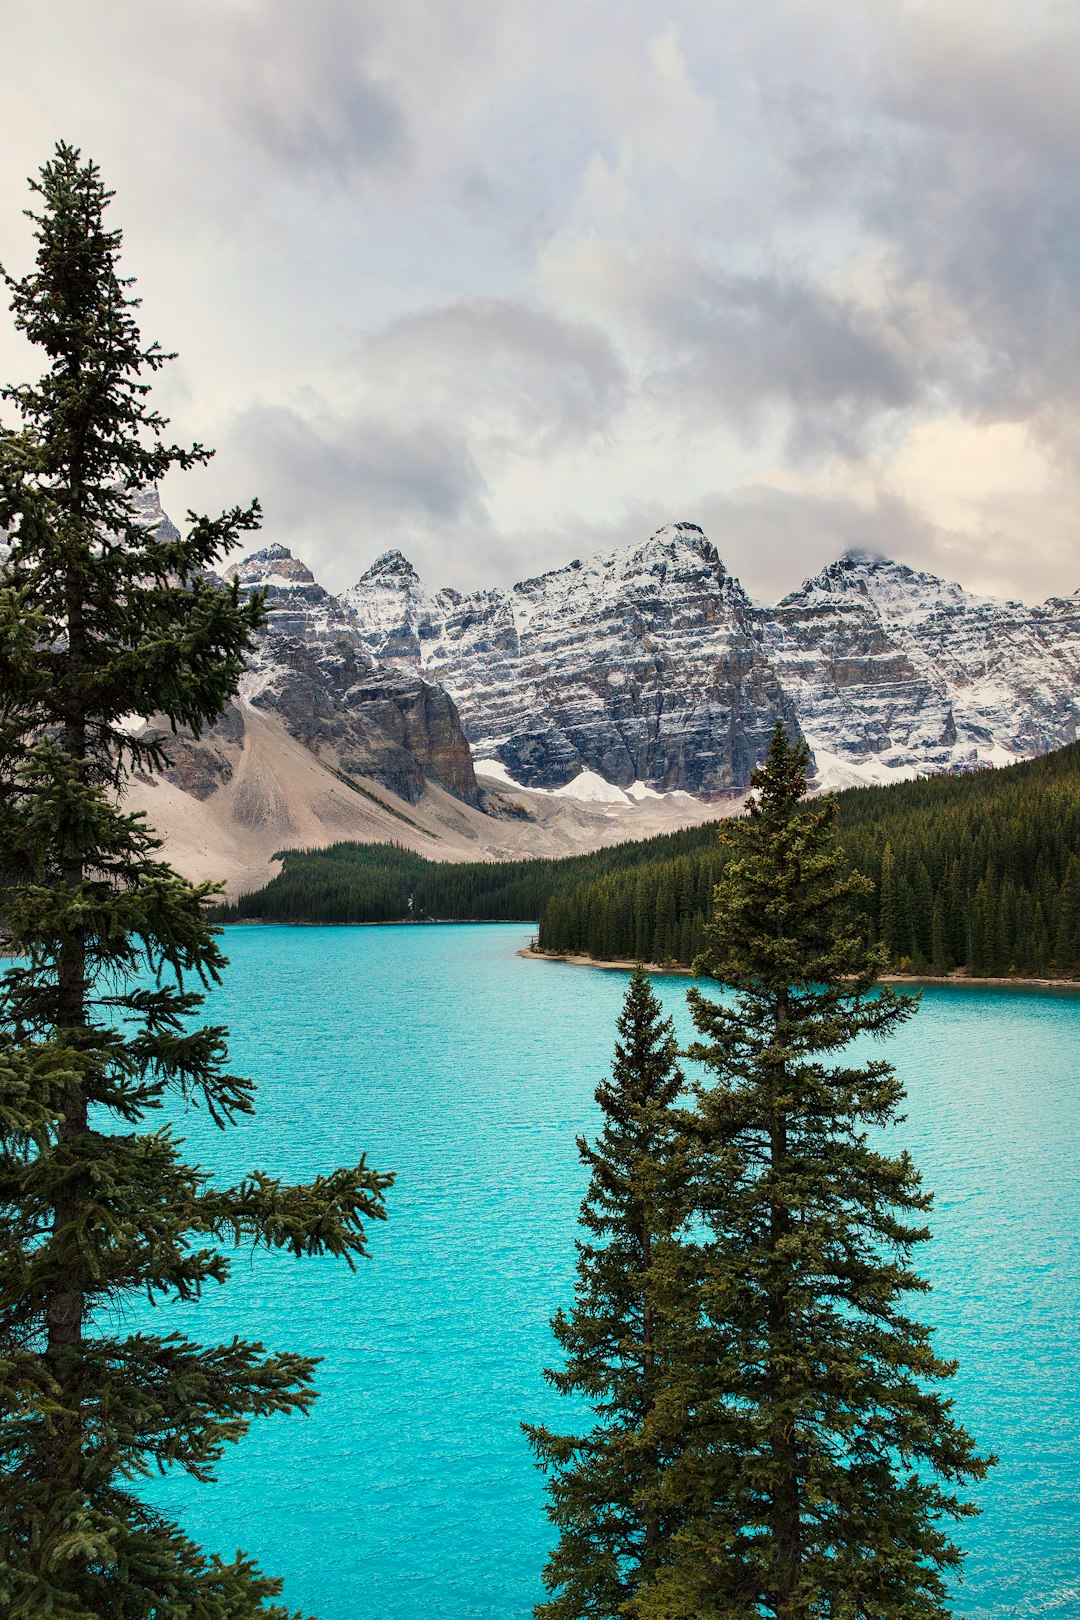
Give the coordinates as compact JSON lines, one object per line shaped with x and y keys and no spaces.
{"x":978,"y":874}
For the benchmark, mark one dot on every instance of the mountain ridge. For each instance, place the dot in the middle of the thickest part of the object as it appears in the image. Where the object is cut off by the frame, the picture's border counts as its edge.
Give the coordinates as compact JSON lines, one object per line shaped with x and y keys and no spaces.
{"x":652,"y":663}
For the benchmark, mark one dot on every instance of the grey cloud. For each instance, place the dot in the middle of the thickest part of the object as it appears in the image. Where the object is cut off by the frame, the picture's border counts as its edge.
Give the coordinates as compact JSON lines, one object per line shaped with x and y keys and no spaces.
{"x":520,"y":376}
{"x":871,"y":220}
{"x":750,"y":342}
{"x":212,"y":106}
{"x":773,"y":538}
{"x":956,"y":149}
{"x":332,"y":482}
{"x":299,"y":82}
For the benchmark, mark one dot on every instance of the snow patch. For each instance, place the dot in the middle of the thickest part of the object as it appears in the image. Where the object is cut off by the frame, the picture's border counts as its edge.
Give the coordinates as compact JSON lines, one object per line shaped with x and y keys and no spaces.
{"x":837,"y":771}
{"x":589,"y":788}
{"x":495,"y":770}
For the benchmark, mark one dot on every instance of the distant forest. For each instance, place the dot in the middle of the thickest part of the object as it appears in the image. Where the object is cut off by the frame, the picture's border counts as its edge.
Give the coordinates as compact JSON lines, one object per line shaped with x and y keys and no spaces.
{"x":364,"y":883}
{"x":978,"y":873}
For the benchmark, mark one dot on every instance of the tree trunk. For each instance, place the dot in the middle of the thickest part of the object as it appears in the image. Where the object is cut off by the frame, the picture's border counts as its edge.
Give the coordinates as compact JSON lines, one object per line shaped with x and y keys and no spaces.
{"x":67,"y":1305}
{"x":785,"y":1505}
{"x":651,"y":1455}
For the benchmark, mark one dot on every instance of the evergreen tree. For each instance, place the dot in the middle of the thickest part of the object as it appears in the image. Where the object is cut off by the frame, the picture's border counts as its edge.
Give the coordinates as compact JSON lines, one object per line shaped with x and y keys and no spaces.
{"x":605,"y":1487}
{"x":829,"y":1461}
{"x":104,"y":615}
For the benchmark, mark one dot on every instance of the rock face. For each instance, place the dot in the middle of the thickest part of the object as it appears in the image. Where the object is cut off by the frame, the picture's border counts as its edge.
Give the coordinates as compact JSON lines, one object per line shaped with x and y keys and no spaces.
{"x":312,"y":669}
{"x":646,"y":664}
{"x":894,"y":669}
{"x":651,"y":664}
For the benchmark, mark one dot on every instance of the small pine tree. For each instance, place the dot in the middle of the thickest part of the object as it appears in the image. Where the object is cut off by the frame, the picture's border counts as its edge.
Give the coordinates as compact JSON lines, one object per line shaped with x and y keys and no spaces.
{"x":818,"y":1486}
{"x":887,"y":901}
{"x":605,"y":1487}
{"x":105,"y":613}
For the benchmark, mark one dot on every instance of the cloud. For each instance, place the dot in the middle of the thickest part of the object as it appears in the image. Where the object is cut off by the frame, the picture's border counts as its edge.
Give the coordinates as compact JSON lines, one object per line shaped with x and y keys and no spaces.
{"x":297,"y":81}
{"x":742,"y":344}
{"x":773,"y":538}
{"x":499,"y":282}
{"x":337,"y":488}
{"x":523,"y":378}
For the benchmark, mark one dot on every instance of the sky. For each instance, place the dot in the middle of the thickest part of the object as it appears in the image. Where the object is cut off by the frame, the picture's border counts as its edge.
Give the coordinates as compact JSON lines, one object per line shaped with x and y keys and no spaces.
{"x":501,"y":283}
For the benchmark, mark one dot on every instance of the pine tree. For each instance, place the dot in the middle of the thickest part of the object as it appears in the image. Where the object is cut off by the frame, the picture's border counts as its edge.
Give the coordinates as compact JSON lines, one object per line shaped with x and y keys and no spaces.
{"x":887,"y":901}
{"x":829,"y":1460}
{"x":605,"y":1487}
{"x":105,"y":614}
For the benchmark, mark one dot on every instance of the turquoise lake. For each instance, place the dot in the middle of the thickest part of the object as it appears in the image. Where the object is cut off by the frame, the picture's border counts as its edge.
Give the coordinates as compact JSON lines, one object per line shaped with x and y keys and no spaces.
{"x":409,"y":1492}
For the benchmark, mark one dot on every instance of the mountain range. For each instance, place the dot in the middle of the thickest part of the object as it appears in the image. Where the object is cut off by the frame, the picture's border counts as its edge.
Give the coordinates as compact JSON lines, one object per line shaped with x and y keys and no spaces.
{"x":615,"y":697}
{"x":652,"y":664}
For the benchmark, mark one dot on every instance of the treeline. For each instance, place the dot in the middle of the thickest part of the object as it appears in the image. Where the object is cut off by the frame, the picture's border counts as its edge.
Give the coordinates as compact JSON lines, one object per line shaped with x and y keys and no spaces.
{"x":372,"y":883}
{"x":978,"y":873}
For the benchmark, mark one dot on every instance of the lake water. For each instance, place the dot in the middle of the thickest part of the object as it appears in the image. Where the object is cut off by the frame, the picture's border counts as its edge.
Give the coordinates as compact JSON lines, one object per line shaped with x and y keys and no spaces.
{"x":409,"y":1494}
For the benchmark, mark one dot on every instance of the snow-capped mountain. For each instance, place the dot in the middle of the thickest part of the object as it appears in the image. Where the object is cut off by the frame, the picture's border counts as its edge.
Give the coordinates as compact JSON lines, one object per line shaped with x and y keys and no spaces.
{"x":312,"y":668}
{"x":323,"y":743}
{"x":651,"y":664}
{"x":892,"y":669}
{"x":646,"y":664}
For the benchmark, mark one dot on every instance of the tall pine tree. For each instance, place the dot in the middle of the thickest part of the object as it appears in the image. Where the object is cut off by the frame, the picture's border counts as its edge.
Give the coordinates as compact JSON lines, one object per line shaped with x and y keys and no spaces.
{"x":104,"y":615}
{"x":606,"y":1487}
{"x":824,"y":1479}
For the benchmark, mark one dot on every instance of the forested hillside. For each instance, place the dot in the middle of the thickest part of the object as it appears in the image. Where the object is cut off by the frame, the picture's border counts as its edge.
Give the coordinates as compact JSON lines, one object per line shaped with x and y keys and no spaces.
{"x":978,"y":872}
{"x":363,"y":883}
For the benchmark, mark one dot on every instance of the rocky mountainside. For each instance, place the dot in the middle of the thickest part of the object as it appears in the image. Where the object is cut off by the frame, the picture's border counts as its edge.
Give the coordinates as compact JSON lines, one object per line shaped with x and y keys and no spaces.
{"x":649,"y":669}
{"x":652,"y":665}
{"x":324,"y":743}
{"x":643,"y":665}
{"x":894,"y":670}
{"x":312,"y":669}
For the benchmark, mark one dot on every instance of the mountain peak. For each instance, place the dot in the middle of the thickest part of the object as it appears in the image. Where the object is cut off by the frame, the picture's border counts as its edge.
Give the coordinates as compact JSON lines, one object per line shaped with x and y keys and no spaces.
{"x":690,"y":530}
{"x":272,"y":564}
{"x":393,"y":566}
{"x":687,"y":542}
{"x":690,"y":536}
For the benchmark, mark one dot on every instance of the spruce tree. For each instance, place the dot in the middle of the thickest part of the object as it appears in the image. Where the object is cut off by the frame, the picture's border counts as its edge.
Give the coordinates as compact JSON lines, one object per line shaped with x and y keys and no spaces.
{"x":823,"y":1480}
{"x":606,"y":1486}
{"x":105,"y":614}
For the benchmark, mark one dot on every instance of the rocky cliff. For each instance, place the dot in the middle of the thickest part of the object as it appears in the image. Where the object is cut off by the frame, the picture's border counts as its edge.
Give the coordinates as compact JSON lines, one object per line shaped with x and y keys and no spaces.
{"x":312,"y":669}
{"x":651,"y":664}
{"x":892,"y":669}
{"x":643,"y":665}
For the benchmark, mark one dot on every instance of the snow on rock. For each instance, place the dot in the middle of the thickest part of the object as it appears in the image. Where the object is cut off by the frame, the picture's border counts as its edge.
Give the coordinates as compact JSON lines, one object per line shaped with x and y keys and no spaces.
{"x":589,"y":788}
{"x":313,"y":668}
{"x":646,"y":672}
{"x":643,"y":664}
{"x":494,"y":770}
{"x":895,"y":671}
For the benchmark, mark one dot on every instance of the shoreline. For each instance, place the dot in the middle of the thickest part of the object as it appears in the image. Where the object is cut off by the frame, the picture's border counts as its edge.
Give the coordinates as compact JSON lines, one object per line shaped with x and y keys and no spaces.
{"x":671,"y":970}
{"x":625,"y":965}
{"x":385,"y":922}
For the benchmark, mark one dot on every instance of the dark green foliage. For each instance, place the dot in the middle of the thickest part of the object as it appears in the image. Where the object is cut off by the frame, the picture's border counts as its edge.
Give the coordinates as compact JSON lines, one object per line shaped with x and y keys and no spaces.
{"x":606,"y":1487}
{"x":359,"y":883}
{"x":103,"y":615}
{"x":976,"y":874}
{"x":818,"y":1465}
